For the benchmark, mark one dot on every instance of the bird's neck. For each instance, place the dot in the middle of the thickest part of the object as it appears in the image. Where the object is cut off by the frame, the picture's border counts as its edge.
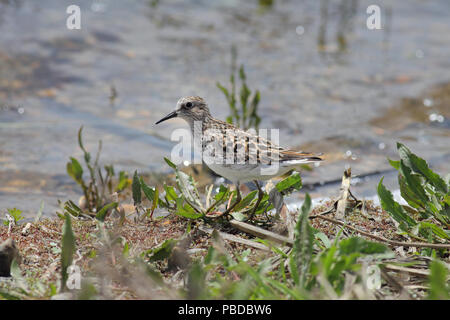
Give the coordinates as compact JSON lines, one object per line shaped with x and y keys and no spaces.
{"x":198,"y":126}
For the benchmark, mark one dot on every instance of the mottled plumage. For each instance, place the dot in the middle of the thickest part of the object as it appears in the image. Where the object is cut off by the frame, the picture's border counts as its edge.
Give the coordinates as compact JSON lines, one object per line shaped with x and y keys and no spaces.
{"x":235,"y":154}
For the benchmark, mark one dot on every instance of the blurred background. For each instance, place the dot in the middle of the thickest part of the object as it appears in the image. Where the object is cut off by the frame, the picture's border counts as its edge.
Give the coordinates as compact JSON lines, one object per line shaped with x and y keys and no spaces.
{"x":327,"y":82}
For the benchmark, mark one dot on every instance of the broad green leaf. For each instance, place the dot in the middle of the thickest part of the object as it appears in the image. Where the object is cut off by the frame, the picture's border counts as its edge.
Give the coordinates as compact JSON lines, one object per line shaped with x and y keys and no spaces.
{"x":408,"y":194}
{"x":323,"y":237}
{"x":163,"y":251}
{"x":186,"y":210}
{"x":16,"y":214}
{"x":170,"y":193}
{"x":393,"y":208}
{"x":414,"y":185}
{"x":287,"y":185}
{"x":361,"y":246}
{"x":246,"y":201}
{"x":75,"y":170}
{"x":148,"y":192}
{"x":435,"y":229}
{"x":394,"y":163}
{"x":413,"y":182}
{"x":101,"y":214}
{"x":419,"y":165}
{"x":238,"y":216}
{"x":438,"y":279}
{"x":222,"y":192}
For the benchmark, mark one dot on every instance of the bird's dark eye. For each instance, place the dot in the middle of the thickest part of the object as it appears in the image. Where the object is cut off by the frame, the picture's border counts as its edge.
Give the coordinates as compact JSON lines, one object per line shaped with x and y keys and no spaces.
{"x":188,"y":104}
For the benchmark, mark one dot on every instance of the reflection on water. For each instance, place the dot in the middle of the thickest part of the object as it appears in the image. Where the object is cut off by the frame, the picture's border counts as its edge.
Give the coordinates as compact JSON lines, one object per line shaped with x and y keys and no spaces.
{"x":326,"y":81}
{"x":345,"y":14}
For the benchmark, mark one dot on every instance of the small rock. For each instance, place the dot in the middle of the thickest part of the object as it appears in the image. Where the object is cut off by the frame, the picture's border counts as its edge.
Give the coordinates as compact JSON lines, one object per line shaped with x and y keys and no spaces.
{"x":8,"y":252}
{"x":82,"y":203}
{"x":26,"y":228}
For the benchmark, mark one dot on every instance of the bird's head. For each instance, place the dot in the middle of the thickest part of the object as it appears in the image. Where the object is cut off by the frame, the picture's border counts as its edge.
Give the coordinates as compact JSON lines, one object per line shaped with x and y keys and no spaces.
{"x":190,"y":109}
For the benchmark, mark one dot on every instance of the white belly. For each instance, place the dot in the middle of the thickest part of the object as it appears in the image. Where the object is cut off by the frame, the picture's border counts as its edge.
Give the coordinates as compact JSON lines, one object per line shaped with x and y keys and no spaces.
{"x":246,"y":172}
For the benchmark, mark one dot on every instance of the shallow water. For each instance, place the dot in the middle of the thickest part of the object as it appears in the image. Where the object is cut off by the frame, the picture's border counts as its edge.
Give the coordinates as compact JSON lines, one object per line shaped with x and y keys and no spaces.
{"x":330,"y":84}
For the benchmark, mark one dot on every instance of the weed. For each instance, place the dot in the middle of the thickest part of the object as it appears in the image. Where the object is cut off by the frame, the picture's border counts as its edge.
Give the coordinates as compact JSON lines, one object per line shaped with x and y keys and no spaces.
{"x":427,"y":215}
{"x":15,"y":214}
{"x":246,"y":116}
{"x":98,"y":188}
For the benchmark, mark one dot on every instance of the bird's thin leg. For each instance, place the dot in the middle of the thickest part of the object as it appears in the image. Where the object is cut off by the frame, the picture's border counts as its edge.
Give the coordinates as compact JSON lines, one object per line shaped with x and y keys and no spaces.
{"x":238,"y":199}
{"x":260,"y":196}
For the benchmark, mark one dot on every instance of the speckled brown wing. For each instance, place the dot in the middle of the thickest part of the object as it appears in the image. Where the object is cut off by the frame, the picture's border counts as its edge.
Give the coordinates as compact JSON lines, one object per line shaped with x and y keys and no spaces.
{"x":242,"y":147}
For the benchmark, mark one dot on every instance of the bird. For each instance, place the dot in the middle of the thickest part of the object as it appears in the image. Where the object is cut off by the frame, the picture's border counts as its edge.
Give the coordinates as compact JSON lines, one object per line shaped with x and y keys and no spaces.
{"x":235,"y":154}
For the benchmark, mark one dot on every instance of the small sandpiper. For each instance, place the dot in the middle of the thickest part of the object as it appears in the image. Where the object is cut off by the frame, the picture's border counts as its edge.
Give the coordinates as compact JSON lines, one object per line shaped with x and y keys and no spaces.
{"x":235,"y":154}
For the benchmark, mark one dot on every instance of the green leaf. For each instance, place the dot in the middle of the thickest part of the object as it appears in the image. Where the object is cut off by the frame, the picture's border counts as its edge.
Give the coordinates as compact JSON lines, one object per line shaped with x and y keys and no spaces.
{"x":186,"y":210}
{"x":289,"y":184}
{"x":80,"y":139}
{"x":435,"y":229}
{"x":419,"y":165}
{"x":123,"y":181}
{"x":136,"y":187}
{"x":393,"y":208}
{"x":101,"y":215}
{"x":126,"y":250}
{"x":303,"y":242}
{"x":16,"y":214}
{"x":148,"y":192}
{"x":361,"y":246}
{"x":75,"y":170}
{"x":67,"y":248}
{"x":238,"y":216}
{"x":222,"y":192}
{"x":170,"y":193}
{"x":163,"y":251}
{"x":438,"y":279}
{"x":395,"y":164}
{"x":186,"y":184}
{"x":413,"y":182}
{"x":246,"y":201}
{"x":170,"y":163}
{"x":72,"y":208}
{"x":408,"y":194}
{"x":87,"y":155}
{"x":155,"y":200}
{"x":223,"y":89}
{"x":323,"y":237}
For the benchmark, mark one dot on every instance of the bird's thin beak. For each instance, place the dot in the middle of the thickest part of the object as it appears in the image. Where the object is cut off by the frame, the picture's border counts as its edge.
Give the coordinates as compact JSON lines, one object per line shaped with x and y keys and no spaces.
{"x":171,"y":115}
